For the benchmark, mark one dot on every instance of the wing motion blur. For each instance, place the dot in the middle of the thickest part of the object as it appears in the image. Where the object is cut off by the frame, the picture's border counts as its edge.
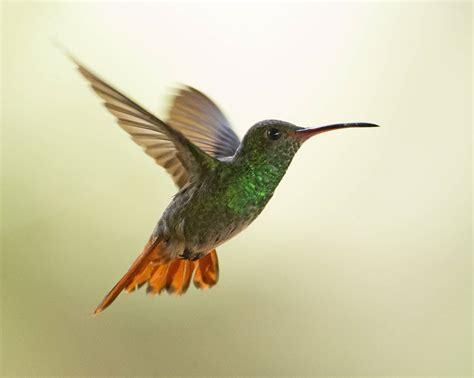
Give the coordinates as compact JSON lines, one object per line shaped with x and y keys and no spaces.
{"x":202,"y":122}
{"x":197,"y":133}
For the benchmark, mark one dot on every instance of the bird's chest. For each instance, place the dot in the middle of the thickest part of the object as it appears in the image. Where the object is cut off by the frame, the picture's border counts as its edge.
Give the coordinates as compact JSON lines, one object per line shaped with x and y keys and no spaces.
{"x":219,"y":211}
{"x":211,"y":212}
{"x":247,"y":195}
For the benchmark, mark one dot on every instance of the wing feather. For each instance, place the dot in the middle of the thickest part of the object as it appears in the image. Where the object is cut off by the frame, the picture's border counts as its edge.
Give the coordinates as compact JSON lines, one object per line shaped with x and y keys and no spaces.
{"x":202,"y":122}
{"x":167,"y":146}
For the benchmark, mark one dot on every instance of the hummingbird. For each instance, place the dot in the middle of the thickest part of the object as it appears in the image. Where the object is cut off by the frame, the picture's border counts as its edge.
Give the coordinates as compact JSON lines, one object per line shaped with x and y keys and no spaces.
{"x":224,"y":183}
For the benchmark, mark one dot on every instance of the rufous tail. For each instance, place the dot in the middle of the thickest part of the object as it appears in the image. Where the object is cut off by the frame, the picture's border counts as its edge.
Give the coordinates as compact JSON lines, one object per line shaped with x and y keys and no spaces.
{"x":173,"y":276}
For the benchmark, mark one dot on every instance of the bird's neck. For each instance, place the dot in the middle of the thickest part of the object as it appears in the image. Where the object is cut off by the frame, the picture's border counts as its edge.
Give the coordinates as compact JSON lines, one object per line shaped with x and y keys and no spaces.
{"x":253,"y":184}
{"x":262,"y":168}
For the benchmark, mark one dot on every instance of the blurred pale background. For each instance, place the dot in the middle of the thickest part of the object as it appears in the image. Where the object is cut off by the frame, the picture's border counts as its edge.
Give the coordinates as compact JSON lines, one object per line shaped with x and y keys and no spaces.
{"x":361,"y":264}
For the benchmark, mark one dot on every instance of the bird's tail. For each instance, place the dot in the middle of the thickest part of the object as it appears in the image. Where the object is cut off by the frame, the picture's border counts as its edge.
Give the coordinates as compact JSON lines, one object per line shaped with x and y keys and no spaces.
{"x":161,"y":274}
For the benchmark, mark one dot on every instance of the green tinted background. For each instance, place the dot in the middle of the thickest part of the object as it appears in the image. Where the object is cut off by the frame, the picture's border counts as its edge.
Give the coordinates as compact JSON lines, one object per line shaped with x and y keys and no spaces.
{"x":361,"y":264}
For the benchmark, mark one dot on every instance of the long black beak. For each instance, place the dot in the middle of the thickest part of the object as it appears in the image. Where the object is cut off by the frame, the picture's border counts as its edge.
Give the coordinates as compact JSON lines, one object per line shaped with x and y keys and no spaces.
{"x":308,"y":132}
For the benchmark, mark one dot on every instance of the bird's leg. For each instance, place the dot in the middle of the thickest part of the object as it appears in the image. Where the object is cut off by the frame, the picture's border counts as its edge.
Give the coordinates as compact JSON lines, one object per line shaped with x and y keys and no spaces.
{"x":186,"y":255}
{"x":190,"y":255}
{"x":196,"y":256}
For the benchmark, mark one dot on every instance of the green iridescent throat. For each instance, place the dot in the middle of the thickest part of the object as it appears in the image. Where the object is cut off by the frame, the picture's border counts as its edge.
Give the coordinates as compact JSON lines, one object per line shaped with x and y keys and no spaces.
{"x":255,"y":179}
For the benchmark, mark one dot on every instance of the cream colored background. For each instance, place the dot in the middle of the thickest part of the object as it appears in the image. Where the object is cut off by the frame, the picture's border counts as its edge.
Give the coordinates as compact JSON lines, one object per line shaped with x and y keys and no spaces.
{"x":361,"y":264}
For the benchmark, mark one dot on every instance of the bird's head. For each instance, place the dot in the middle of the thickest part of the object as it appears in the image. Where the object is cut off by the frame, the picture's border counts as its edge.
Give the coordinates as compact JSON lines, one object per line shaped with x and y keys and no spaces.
{"x":275,"y":142}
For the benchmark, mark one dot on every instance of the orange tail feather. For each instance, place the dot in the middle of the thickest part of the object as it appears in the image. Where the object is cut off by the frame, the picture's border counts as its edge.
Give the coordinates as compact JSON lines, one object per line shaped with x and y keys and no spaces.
{"x":207,"y":272}
{"x":138,"y":269}
{"x":178,"y":281}
{"x":173,"y":276}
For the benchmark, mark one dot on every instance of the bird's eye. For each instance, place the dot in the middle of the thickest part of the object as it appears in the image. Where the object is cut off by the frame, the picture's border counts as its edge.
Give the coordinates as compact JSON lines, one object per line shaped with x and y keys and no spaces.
{"x":273,"y":134}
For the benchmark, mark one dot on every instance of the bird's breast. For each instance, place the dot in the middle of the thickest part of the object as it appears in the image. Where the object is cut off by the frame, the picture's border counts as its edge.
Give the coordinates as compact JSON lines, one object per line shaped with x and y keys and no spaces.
{"x":209,"y":212}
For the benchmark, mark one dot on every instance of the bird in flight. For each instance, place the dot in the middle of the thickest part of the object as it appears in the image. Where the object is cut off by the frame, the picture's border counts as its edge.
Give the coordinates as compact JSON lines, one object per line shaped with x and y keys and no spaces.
{"x":224,"y":183}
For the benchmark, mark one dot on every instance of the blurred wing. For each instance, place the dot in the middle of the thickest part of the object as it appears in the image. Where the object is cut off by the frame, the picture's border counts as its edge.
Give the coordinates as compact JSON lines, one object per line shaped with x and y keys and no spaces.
{"x":168,"y":147}
{"x":202,"y":122}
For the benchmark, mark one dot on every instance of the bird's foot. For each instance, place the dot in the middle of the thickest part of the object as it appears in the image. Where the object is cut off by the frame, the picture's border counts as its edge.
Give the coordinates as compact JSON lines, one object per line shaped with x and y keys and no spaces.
{"x":189,"y":255}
